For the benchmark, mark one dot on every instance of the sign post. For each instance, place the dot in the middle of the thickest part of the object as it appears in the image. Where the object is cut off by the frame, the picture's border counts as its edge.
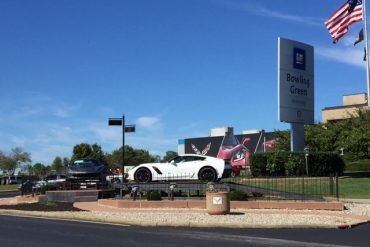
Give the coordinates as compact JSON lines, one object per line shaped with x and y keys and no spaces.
{"x":296,"y":88}
{"x":125,"y":128}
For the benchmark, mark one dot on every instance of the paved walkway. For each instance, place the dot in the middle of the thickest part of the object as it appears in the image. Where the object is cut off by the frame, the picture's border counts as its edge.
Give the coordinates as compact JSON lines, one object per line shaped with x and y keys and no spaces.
{"x":198,"y":217}
{"x":238,"y":218}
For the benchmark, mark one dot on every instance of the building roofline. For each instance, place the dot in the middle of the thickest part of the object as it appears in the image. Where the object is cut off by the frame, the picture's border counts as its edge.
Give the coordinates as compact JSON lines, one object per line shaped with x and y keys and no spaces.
{"x":344,"y":107}
{"x":353,"y":94}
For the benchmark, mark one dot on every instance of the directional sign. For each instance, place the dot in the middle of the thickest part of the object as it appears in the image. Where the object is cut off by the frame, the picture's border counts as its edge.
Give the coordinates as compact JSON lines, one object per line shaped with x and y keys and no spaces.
{"x":115,"y":121}
{"x":130,"y":128}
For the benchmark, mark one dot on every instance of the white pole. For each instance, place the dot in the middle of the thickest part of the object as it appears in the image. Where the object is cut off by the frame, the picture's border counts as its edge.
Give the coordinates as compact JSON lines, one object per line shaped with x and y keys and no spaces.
{"x":367,"y":53}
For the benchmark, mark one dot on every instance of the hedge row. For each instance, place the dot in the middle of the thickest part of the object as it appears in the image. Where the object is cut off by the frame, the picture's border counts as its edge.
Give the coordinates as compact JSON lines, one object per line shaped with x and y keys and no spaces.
{"x":294,"y":164}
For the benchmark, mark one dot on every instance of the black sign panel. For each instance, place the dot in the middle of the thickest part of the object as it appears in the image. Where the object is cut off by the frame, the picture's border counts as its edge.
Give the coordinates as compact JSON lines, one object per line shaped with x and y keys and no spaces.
{"x":115,"y":121}
{"x":130,"y":128}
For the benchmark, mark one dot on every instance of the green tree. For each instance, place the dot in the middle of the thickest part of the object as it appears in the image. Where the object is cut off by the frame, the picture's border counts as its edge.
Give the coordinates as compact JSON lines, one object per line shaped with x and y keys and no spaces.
{"x":40,"y":170}
{"x":85,"y":150}
{"x":169,"y":155}
{"x":17,"y":157}
{"x":282,"y":140}
{"x":353,"y":135}
{"x":66,"y":162}
{"x":58,"y":166}
{"x":356,"y":139}
{"x":133,"y":157}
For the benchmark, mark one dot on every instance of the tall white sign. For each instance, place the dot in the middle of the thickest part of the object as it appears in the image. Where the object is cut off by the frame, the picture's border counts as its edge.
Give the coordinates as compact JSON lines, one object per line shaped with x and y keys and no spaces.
{"x":296,"y":82}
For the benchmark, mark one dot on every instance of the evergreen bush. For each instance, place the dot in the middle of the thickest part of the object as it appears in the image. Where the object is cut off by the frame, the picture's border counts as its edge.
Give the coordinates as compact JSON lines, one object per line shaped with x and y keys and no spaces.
{"x":258,"y":163}
{"x":294,"y":164}
{"x":153,"y":195}
{"x":238,"y":195}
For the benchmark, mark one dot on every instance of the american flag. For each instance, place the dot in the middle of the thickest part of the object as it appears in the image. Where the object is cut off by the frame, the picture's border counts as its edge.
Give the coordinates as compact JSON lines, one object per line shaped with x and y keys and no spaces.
{"x":339,"y":22}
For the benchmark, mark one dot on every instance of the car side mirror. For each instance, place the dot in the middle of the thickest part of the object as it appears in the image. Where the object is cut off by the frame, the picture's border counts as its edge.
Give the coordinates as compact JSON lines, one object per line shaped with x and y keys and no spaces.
{"x":173,"y":162}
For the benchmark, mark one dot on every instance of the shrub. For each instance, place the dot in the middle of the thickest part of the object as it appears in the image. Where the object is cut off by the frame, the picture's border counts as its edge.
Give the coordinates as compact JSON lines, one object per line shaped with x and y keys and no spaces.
{"x":258,"y":163}
{"x":238,"y":195}
{"x":276,"y":163}
{"x":153,"y":195}
{"x":48,"y":187}
{"x":294,"y":164}
{"x":324,"y":164}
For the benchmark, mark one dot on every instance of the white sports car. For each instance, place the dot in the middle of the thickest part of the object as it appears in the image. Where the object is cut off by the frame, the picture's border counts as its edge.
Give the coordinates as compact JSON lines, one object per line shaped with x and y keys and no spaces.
{"x":188,"y":166}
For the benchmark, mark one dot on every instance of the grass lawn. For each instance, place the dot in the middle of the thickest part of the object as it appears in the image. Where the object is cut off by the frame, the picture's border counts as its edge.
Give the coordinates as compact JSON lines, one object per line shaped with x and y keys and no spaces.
{"x":358,"y":188}
{"x":308,"y":186}
{"x":8,"y":187}
{"x":360,"y":165}
{"x":348,"y":187}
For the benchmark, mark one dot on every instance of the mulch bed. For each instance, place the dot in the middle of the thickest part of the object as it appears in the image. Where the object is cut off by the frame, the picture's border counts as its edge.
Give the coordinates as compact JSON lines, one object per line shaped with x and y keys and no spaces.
{"x":42,"y":206}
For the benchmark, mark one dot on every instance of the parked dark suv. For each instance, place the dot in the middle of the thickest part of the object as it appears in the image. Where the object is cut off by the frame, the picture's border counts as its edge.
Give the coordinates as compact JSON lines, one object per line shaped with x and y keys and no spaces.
{"x":87,"y":173}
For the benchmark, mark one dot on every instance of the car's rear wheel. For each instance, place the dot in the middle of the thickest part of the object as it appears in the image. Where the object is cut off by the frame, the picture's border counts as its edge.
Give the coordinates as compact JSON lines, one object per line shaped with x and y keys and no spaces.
{"x":207,"y":174}
{"x":143,"y":175}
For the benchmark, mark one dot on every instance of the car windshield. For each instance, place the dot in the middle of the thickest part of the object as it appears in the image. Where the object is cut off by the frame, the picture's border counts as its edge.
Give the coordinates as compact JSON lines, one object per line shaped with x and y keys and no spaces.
{"x":177,"y":159}
{"x":230,"y":141}
{"x":84,"y":163}
{"x":180,"y":159}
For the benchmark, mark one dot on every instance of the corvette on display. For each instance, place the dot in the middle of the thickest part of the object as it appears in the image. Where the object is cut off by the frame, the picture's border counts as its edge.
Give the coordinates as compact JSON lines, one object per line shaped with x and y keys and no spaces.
{"x":183,"y":167}
{"x":87,"y":173}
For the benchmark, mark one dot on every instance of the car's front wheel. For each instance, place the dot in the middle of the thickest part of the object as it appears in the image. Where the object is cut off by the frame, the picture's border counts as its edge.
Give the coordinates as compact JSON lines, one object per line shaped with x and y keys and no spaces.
{"x":143,"y":175}
{"x":207,"y":174}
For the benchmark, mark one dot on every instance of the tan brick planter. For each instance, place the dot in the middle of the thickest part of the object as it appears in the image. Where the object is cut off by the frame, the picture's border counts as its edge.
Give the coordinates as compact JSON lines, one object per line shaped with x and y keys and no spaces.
{"x":218,"y":203}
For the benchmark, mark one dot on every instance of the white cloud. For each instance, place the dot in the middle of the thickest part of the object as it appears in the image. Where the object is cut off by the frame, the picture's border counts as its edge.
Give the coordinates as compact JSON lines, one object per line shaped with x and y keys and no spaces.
{"x":263,"y":11}
{"x":288,"y":17}
{"x":351,"y":56}
{"x":154,"y":144}
{"x":18,"y":141}
{"x":26,"y":112}
{"x":148,"y":122}
{"x":61,"y":112}
{"x":106,"y":133}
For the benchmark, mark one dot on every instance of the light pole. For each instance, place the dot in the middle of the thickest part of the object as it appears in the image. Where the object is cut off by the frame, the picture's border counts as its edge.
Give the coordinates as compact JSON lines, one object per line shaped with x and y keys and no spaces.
{"x":306,"y":150}
{"x":125,"y":128}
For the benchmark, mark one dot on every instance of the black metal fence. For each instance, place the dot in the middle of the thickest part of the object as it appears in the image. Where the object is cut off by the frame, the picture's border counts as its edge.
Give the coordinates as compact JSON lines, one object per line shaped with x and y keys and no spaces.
{"x":185,"y":186}
{"x":263,"y":188}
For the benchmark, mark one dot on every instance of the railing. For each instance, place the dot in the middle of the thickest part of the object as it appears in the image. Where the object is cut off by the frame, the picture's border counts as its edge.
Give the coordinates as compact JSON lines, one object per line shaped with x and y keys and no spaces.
{"x":263,"y":188}
{"x":185,"y":186}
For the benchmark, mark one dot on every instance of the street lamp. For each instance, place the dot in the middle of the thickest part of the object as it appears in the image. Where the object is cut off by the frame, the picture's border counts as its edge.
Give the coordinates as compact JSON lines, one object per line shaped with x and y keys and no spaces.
{"x":306,"y":150}
{"x":125,"y":128}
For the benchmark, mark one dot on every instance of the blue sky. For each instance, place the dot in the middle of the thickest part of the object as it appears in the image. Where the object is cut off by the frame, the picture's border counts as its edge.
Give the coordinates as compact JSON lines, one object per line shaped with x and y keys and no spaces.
{"x":175,"y":68}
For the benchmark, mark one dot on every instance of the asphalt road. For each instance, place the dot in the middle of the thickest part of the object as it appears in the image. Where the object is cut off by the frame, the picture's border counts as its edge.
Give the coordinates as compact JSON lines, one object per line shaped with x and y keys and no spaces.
{"x":22,"y":231}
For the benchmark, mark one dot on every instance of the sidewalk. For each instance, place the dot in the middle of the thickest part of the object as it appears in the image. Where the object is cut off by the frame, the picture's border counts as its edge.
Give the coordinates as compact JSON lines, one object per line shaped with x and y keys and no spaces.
{"x":198,"y":216}
{"x":239,"y":217}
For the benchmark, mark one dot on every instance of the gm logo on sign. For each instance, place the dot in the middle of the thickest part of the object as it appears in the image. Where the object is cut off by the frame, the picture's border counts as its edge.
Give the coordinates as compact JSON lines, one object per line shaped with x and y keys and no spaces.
{"x":299,"y":58}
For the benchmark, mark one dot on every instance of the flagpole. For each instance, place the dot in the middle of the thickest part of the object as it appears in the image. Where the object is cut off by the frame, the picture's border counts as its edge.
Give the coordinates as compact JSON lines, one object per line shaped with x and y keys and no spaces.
{"x":367,"y":54}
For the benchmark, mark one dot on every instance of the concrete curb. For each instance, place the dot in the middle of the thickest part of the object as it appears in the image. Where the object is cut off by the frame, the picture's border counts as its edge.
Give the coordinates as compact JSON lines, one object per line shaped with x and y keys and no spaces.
{"x":8,"y":191}
{"x":120,"y":212}
{"x":349,"y":226}
{"x":201,"y":204}
{"x":94,"y":218}
{"x":151,"y":224}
